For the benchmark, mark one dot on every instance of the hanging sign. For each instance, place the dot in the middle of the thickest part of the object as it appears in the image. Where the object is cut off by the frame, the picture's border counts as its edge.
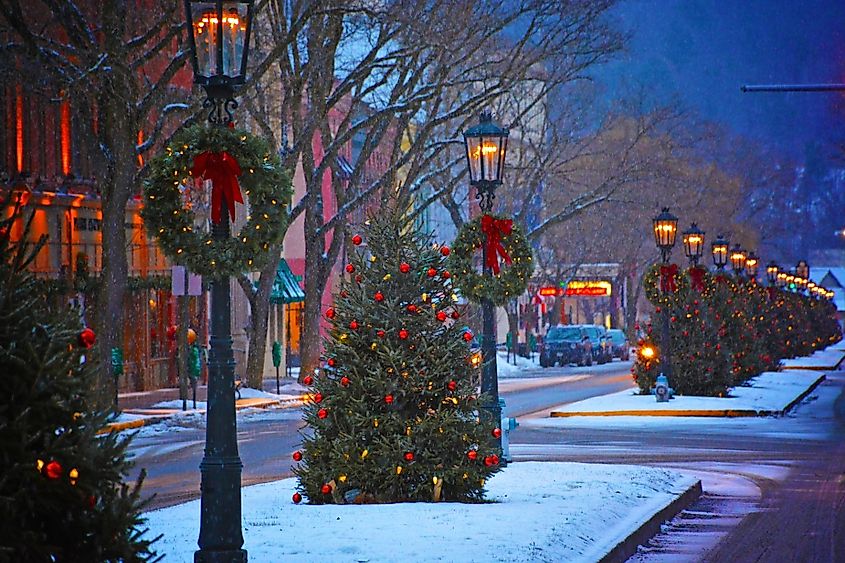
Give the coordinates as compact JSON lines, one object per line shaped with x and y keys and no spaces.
{"x":593,"y":288}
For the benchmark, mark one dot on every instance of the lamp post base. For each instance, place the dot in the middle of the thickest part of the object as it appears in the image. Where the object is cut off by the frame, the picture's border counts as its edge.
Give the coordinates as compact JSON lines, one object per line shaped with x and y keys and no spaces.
{"x":228,"y":556}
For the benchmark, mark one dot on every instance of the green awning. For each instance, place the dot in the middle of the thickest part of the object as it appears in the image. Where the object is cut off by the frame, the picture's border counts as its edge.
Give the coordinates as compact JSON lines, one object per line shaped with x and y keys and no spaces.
{"x":285,"y":287}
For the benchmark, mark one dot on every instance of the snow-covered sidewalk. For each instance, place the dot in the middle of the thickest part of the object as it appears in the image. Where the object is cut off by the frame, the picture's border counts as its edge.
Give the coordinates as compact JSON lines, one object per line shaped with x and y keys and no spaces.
{"x":827,"y":359}
{"x":770,"y":393}
{"x":541,"y":511}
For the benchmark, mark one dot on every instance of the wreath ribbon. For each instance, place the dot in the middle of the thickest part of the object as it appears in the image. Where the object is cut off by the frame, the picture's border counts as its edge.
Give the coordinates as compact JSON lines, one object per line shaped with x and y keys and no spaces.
{"x":494,"y":229}
{"x":223,"y":171}
{"x":696,"y":276}
{"x":667,"y":278}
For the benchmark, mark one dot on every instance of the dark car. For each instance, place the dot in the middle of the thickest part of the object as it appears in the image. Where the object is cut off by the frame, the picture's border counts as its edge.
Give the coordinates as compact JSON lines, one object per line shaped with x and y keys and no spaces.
{"x":564,"y":345}
{"x":599,"y":344}
{"x":618,"y":344}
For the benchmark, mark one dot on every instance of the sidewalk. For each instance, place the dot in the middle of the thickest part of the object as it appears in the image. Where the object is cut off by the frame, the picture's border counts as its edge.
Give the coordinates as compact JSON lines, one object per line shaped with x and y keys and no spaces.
{"x":149,"y":407}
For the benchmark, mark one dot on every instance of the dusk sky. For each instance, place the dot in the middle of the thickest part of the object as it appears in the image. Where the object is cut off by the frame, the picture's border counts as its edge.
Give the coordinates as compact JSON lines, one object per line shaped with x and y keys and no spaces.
{"x":702,"y":51}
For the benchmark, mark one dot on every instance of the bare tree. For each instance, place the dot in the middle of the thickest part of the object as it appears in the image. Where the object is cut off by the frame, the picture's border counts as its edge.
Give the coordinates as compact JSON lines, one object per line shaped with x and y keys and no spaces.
{"x":399,"y":81}
{"x":117,"y":66}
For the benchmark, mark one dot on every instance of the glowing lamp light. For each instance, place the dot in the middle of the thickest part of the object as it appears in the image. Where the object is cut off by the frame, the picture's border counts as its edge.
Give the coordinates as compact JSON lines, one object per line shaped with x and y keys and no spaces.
{"x":719,"y":250}
{"x":219,"y":37}
{"x":648,"y":352}
{"x":486,"y":144}
{"x":781,"y":279}
{"x":738,"y":258}
{"x":693,"y":243}
{"x":665,"y":230}
{"x":752,"y":265}
{"x":772,"y":272}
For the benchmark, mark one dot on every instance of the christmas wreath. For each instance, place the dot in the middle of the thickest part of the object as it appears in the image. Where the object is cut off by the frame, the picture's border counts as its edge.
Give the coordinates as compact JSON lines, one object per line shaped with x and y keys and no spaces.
{"x":178,"y":209}
{"x":503,"y":239}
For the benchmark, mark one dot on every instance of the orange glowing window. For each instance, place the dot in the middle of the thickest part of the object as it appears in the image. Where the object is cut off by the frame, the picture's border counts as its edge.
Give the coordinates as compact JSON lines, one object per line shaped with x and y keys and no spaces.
{"x":140,"y":142}
{"x":65,"y":140}
{"x":19,"y":127}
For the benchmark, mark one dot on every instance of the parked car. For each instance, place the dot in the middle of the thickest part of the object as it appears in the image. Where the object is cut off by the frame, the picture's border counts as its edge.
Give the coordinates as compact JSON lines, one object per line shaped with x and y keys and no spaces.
{"x":564,"y":344}
{"x":599,"y":343}
{"x":619,"y":344}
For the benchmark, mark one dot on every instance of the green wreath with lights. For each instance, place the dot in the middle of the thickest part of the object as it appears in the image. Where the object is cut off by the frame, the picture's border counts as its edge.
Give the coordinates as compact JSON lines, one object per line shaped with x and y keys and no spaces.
{"x":512,"y":278}
{"x":171,"y":220}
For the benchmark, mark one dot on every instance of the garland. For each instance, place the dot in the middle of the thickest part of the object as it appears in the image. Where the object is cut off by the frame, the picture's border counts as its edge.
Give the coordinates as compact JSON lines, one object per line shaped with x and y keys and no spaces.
{"x":244,"y":161}
{"x":504,"y":239}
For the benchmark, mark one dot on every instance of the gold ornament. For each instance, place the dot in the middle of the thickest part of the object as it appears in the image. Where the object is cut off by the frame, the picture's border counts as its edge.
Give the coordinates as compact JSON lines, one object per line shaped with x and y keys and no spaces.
{"x":398,"y":469}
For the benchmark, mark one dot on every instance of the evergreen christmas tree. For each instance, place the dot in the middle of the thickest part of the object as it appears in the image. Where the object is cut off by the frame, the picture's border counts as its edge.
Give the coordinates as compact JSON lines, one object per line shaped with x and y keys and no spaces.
{"x":395,"y":413}
{"x":61,"y":491}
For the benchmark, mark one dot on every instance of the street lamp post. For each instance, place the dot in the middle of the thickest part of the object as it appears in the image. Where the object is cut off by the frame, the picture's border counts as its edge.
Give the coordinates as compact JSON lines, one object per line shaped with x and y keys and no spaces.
{"x":738,"y":258}
{"x":486,"y":144}
{"x":665,"y":230}
{"x":719,"y":249}
{"x":693,"y":244}
{"x":219,"y":41}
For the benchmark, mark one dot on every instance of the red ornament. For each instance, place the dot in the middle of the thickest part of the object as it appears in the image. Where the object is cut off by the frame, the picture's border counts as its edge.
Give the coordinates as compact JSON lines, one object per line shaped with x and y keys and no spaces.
{"x":356,"y":240}
{"x":379,"y":296}
{"x":388,"y":399}
{"x":456,"y":315}
{"x":322,"y":413}
{"x":358,"y":279}
{"x":87,"y":337}
{"x":350,"y":268}
{"x":409,"y":456}
{"x":497,"y":432}
{"x":344,"y":381}
{"x":467,"y":336}
{"x":332,"y":362}
{"x":330,"y":313}
{"x":412,"y":308}
{"x":445,"y":275}
{"x":307,"y":380}
{"x":318,"y":398}
{"x":495,"y":459}
{"x":404,"y":267}
{"x":297,"y":498}
{"x":380,"y":334}
{"x":353,"y":325}
{"x":441,"y":316}
{"x":452,"y":385}
{"x":326,"y":489}
{"x":297,"y":456}
{"x":488,"y":461}
{"x":344,"y":293}
{"x":472,"y":455}
{"x":444,"y":250}
{"x":431,"y":272}
{"x":53,"y":469}
{"x":403,"y":334}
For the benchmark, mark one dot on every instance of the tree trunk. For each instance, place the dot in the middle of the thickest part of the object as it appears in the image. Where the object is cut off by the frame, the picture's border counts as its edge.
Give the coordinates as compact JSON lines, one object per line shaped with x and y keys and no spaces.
{"x":513,"y":328}
{"x":259,"y":302}
{"x":316,"y":276}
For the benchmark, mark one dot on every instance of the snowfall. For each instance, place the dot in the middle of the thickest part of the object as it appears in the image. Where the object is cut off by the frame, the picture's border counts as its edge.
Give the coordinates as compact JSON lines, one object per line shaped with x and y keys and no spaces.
{"x":537,"y":511}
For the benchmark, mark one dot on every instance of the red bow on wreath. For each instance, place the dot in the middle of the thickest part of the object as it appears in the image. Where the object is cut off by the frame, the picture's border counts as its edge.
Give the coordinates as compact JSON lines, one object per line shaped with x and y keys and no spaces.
{"x":696,"y":276}
{"x":495,"y":229}
{"x":223,"y":171}
{"x":667,"y":278}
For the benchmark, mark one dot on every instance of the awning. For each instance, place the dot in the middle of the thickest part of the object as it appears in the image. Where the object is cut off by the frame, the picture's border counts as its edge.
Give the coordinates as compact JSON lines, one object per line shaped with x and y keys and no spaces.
{"x":285,"y":287}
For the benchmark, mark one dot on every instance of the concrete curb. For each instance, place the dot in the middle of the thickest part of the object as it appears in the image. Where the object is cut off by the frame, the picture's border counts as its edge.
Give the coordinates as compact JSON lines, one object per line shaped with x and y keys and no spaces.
{"x":834,"y":367}
{"x":240,"y":404}
{"x":628,"y":546}
{"x":723,"y":413}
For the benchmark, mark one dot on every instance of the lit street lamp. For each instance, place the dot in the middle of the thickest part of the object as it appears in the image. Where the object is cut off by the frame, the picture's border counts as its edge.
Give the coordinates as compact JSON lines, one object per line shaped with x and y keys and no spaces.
{"x":738,"y":258}
{"x":772,"y":272}
{"x":752,"y":265}
{"x":486,"y":144}
{"x":219,"y":41}
{"x":693,"y":244}
{"x":719,"y":249}
{"x":665,"y":227}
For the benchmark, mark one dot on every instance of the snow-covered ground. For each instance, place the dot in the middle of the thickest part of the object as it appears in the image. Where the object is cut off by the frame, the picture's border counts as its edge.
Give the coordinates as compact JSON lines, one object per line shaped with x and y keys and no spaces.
{"x":829,"y":358}
{"x":768,"y":392}
{"x":541,"y":511}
